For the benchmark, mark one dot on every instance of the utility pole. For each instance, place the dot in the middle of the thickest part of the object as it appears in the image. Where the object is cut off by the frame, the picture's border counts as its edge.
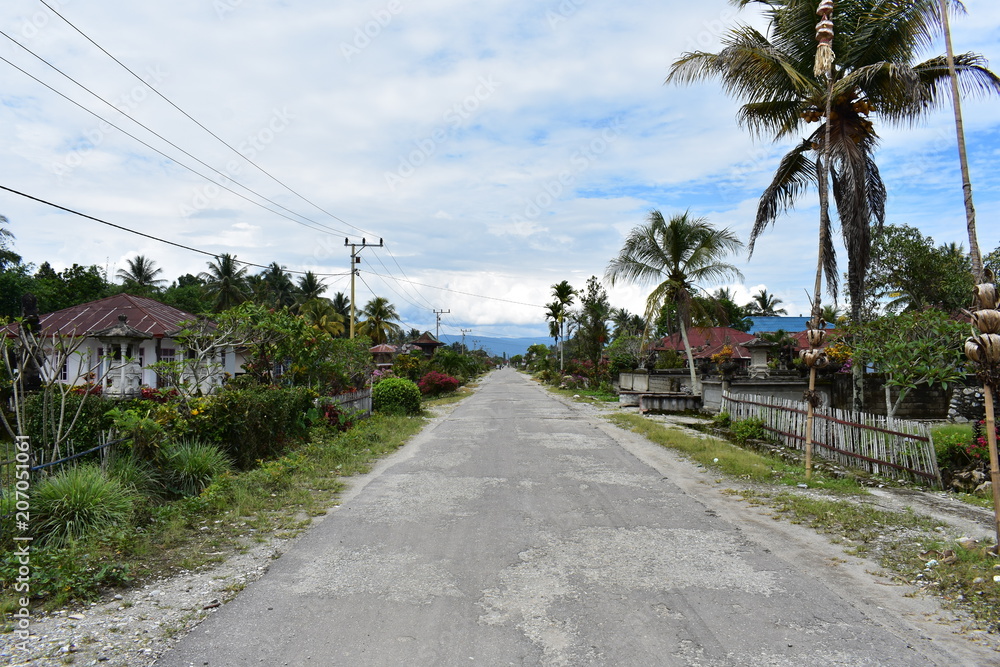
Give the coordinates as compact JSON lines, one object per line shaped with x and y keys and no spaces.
{"x":355,"y":259}
{"x":464,"y":349}
{"x":437,"y":331}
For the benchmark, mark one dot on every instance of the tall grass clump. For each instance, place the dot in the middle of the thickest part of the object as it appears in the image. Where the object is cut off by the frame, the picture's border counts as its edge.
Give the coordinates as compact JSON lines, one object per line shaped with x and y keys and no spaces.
{"x":191,"y":466}
{"x":77,"y":503}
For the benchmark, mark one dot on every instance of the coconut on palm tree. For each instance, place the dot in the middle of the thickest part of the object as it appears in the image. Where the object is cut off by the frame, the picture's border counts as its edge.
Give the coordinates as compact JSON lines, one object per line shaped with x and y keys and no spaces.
{"x":677,"y":256}
{"x":874,"y":76}
{"x":379,"y":323}
{"x":141,"y":274}
{"x":225,"y":282}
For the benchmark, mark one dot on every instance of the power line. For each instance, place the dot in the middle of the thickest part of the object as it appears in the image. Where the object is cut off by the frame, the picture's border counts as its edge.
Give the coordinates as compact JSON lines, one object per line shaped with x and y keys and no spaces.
{"x":143,"y":234}
{"x":199,"y":124}
{"x":322,"y":228}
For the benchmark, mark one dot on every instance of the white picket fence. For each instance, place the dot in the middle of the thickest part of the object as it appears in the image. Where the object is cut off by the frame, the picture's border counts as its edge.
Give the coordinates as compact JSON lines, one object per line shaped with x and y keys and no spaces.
{"x":358,"y":401}
{"x":894,"y":448}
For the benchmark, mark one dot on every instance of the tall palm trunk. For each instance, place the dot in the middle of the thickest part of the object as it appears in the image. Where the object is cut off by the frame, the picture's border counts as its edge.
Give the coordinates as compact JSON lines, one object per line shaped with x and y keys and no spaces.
{"x":970,"y":209}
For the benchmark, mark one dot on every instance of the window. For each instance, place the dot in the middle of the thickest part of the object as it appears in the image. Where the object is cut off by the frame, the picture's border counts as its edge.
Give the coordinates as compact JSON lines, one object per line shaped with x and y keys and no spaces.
{"x":168,"y":354}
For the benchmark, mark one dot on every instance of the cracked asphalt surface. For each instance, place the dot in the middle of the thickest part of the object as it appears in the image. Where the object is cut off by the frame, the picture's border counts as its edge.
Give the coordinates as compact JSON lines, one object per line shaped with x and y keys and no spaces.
{"x":522,"y":530}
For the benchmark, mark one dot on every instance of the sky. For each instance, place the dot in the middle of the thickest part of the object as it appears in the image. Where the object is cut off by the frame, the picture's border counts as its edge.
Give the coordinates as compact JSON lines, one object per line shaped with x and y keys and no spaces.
{"x":495,"y":148}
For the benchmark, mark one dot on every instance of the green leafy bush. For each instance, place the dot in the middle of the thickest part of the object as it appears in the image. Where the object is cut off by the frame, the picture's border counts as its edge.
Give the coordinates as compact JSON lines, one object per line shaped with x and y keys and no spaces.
{"x":190,"y":466}
{"x":43,"y":412}
{"x":77,"y":503}
{"x":745,"y":430}
{"x":258,"y":423}
{"x":722,"y":420}
{"x":62,"y":574}
{"x":396,"y":396}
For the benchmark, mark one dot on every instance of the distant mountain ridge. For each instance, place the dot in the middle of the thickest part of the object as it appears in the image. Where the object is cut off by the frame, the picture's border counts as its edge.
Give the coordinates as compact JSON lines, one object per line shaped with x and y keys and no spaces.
{"x":496,"y":346}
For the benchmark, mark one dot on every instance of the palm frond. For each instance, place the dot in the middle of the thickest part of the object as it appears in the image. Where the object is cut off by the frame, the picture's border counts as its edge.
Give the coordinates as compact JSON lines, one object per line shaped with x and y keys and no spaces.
{"x":795,"y":174}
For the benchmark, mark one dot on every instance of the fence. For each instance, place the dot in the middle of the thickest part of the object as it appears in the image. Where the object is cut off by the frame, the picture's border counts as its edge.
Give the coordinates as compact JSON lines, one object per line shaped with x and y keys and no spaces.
{"x":888,"y":447}
{"x":358,"y":401}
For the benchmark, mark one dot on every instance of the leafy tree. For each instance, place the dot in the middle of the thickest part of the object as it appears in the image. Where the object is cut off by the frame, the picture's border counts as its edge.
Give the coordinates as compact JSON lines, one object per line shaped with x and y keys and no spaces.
{"x":186,"y":293}
{"x":380,"y":318}
{"x":592,"y":321}
{"x":141,"y":276}
{"x":676,"y":255}
{"x":225,"y":282}
{"x":725,"y":312}
{"x":913,"y":274}
{"x":70,"y":287}
{"x":876,"y":43}
{"x":912,"y":348}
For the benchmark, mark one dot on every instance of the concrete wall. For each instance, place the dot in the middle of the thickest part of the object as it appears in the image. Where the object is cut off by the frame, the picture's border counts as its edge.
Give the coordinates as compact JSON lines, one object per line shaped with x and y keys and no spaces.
{"x":657,"y":382}
{"x":790,"y":389}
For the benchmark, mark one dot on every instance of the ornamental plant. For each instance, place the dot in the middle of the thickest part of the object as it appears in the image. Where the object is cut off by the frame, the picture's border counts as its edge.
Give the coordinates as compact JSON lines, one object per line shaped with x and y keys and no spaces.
{"x":396,"y":396}
{"x":434,"y":384}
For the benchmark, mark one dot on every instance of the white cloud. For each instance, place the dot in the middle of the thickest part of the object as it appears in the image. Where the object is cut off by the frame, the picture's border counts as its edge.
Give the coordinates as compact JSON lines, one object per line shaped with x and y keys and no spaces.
{"x":527,"y":144}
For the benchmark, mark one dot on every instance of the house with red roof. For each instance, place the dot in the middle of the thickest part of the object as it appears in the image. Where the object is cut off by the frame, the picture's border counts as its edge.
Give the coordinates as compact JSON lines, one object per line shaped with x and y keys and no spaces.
{"x":117,"y":338}
{"x":706,"y":341}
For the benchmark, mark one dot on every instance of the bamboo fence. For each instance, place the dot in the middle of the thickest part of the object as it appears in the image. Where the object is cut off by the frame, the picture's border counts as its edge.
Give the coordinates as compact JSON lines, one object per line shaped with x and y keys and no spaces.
{"x":894,"y":448}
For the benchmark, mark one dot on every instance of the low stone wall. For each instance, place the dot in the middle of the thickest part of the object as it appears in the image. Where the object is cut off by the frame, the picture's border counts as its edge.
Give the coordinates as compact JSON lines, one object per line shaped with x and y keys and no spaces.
{"x":657,"y":382}
{"x":967,"y":405}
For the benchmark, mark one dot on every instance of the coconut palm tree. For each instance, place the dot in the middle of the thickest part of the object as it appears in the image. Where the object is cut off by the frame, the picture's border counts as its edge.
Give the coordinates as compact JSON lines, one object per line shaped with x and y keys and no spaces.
{"x":141,"y":274}
{"x":379,"y":321}
{"x":564,"y":294}
{"x":322,"y":316}
{"x":676,"y":255}
{"x":277,"y":289}
{"x":309,"y":287}
{"x":554,"y":313}
{"x":765,"y":305}
{"x":342,"y":304}
{"x":225,"y":282}
{"x":874,"y":72}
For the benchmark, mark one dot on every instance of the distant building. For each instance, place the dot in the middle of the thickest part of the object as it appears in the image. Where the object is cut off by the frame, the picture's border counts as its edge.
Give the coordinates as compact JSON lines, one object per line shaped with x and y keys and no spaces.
{"x":122,"y":336}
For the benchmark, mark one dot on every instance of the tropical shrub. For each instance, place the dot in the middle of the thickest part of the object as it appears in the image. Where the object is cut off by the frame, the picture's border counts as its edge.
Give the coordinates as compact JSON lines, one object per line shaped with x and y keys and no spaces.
{"x":396,"y":396}
{"x":434,"y":383}
{"x":745,"y":430}
{"x":43,"y":413}
{"x":258,"y":423}
{"x":77,"y":503}
{"x":409,"y":365}
{"x":190,"y":466}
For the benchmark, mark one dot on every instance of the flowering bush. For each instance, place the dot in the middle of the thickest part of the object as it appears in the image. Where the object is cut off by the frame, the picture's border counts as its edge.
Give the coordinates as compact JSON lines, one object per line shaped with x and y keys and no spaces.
{"x":723,"y":355}
{"x":435,"y":383}
{"x":158,"y":395}
{"x":382,"y":374}
{"x":979,"y":449}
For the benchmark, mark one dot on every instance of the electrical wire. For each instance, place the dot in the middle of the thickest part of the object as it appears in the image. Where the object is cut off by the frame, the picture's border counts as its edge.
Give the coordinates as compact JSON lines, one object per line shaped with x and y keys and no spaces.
{"x":148,"y":236}
{"x":454,"y":291}
{"x":322,"y":228}
{"x":199,"y":124}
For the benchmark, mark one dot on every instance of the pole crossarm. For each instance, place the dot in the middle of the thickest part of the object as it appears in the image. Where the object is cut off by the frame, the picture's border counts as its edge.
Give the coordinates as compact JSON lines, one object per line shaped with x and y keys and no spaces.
{"x":356,"y":248}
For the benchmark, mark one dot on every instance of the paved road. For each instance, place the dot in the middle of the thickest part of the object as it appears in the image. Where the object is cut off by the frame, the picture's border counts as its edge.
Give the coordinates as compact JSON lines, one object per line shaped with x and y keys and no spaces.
{"x":518,"y":530}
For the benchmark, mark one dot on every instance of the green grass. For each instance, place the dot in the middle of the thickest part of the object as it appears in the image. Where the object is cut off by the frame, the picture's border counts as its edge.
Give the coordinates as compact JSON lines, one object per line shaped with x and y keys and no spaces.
{"x":906,"y":544}
{"x":235,"y":510}
{"x":729,"y":459}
